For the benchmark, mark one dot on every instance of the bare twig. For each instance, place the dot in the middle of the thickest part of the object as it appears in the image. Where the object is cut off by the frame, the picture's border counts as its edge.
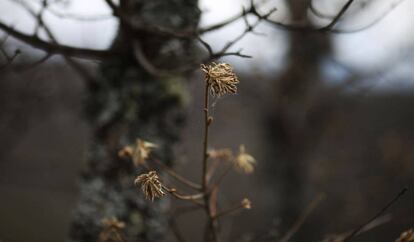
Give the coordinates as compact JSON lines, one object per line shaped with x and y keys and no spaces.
{"x":41,"y":24}
{"x":233,"y":209}
{"x":382,"y":211}
{"x":339,"y":15}
{"x":38,"y":43}
{"x":299,"y":222}
{"x":176,"y":176}
{"x":193,"y":198}
{"x":330,"y":28}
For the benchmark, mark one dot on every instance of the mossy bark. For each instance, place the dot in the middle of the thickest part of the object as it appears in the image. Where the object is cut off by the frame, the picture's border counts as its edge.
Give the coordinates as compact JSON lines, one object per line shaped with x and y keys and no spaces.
{"x":126,"y":103}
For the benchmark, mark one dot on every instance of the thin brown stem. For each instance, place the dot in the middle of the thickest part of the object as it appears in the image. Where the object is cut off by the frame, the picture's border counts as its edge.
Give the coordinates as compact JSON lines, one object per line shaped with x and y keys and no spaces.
{"x":210,"y":199}
{"x":205,"y":141}
{"x":228,"y":211}
{"x":194,"y":198}
{"x":176,"y":176}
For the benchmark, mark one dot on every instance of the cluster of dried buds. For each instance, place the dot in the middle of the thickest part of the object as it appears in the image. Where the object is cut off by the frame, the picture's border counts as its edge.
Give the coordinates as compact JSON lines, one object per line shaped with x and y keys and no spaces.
{"x":219,"y":80}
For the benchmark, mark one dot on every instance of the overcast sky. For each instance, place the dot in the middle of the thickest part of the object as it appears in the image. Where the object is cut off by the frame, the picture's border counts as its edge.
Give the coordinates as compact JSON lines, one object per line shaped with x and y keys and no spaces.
{"x":367,"y":50}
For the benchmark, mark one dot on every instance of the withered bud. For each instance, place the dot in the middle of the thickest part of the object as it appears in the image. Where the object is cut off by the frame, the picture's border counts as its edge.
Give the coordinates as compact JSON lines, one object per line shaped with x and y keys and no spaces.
{"x":244,"y":162}
{"x":138,"y":152}
{"x":220,"y":79}
{"x":150,"y":185}
{"x":246,"y":204}
{"x":209,"y":120}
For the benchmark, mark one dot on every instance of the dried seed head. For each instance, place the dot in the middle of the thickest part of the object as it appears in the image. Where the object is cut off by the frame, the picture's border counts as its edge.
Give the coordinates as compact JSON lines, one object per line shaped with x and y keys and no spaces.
{"x":111,"y":230}
{"x":220,"y":78}
{"x":113,"y":222}
{"x":244,"y":162}
{"x":407,"y":236}
{"x":150,"y":185}
{"x":138,"y":152}
{"x":246,"y":204}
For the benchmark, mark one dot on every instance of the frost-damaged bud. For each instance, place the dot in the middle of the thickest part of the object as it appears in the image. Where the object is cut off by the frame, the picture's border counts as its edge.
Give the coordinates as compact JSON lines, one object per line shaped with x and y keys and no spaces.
{"x":246,"y":204}
{"x":138,"y":152}
{"x":150,"y":185}
{"x":220,"y":78}
{"x":407,"y":236}
{"x":244,"y":162}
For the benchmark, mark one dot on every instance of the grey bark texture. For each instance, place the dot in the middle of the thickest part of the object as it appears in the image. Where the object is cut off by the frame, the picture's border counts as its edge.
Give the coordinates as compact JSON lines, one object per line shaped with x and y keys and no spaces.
{"x":125,"y":103}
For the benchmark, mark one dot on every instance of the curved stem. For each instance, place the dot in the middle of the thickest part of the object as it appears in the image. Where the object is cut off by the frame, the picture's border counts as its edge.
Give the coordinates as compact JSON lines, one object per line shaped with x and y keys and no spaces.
{"x":233,"y":209}
{"x":176,"y":176}
{"x":193,"y":198}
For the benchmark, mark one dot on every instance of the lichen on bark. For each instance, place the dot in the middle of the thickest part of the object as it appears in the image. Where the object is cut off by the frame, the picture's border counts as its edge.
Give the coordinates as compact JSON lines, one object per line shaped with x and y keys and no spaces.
{"x":125,"y":103}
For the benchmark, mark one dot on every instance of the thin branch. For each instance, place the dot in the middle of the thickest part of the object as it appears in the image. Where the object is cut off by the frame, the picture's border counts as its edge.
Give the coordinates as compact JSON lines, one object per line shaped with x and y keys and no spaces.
{"x":330,"y":27}
{"x":318,"y":13}
{"x":233,"y":209}
{"x":373,"y":23}
{"x":9,"y":59}
{"x":382,"y":211}
{"x":193,"y":198}
{"x":41,"y":24}
{"x":38,"y":43}
{"x":79,"y":17}
{"x":217,"y":26}
{"x":175,"y":175}
{"x":223,"y":175}
{"x":299,"y":222}
{"x":204,"y":159}
{"x":339,"y":15}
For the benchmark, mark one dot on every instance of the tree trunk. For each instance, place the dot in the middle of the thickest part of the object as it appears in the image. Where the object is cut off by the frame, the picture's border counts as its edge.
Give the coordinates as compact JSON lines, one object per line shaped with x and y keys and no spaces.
{"x":125,"y":103}
{"x":296,"y":115}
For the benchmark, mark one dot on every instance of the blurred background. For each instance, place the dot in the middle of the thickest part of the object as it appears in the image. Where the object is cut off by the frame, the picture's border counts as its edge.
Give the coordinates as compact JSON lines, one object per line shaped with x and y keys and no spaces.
{"x":322,"y":112}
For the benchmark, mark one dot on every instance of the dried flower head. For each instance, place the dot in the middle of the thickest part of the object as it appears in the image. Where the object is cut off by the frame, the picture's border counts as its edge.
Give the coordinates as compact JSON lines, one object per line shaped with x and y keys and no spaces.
{"x":246,"y":204}
{"x":138,"y":152}
{"x":111,"y":230}
{"x":221,"y":154}
{"x":126,"y":152}
{"x":113,"y":222}
{"x":244,"y":162}
{"x":220,"y":78}
{"x":407,"y":236}
{"x":150,"y":185}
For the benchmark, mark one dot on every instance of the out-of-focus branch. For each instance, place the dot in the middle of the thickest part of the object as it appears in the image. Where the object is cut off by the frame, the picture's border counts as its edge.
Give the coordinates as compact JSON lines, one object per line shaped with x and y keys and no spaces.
{"x":380,"y":213}
{"x":299,"y":222}
{"x":8,"y":59}
{"x":224,"y":51}
{"x":38,"y":43}
{"x":339,"y":15}
{"x":80,"y":18}
{"x":329,"y":28}
{"x":41,"y":25}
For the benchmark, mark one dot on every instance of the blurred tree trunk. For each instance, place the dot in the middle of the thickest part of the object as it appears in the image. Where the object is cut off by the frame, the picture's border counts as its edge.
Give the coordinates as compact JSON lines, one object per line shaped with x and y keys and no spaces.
{"x":296,"y":115}
{"x":125,"y":103}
